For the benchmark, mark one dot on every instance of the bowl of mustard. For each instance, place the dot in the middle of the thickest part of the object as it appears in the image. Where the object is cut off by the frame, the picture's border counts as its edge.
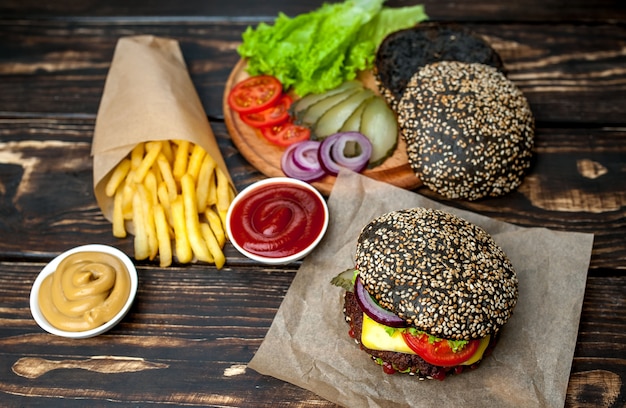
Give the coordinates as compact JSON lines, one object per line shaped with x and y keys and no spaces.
{"x":84,"y":291}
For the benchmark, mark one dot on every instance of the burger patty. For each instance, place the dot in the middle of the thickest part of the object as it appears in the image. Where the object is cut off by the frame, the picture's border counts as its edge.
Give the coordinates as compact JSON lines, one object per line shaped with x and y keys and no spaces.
{"x":401,"y":362}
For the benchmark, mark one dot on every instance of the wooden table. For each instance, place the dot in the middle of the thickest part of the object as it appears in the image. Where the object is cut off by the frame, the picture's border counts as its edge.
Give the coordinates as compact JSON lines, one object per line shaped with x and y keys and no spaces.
{"x":192,"y":329}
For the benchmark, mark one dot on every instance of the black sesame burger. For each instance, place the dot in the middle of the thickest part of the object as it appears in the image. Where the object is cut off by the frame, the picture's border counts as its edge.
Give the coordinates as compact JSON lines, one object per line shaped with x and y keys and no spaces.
{"x":429,"y":294}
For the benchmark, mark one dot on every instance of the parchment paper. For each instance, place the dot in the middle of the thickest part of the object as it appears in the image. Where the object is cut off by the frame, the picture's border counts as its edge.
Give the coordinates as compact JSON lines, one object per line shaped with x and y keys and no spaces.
{"x":308,"y":343}
{"x":148,"y":95}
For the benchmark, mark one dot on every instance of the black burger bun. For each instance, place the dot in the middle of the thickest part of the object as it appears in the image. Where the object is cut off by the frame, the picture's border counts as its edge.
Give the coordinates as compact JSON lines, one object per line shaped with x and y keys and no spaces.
{"x":403,"y":52}
{"x":440,"y":273}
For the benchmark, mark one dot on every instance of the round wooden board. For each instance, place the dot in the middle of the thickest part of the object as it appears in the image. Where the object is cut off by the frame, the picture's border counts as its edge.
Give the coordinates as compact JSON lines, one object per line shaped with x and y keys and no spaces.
{"x":265,"y":156}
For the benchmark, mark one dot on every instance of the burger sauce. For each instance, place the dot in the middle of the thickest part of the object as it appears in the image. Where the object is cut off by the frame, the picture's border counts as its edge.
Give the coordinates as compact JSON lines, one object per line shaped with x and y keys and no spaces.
{"x":85,"y":291}
{"x":277,"y":220}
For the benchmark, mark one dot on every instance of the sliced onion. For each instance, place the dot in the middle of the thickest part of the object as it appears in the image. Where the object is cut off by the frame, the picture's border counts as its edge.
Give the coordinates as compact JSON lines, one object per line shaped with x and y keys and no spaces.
{"x":373,"y":309}
{"x":334,"y":152}
{"x":300,"y":161}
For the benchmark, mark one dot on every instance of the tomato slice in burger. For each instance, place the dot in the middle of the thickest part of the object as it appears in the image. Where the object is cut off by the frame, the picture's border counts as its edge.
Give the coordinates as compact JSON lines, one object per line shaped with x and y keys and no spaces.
{"x":286,"y":133}
{"x":255,"y":94}
{"x":439,"y":353}
{"x":274,"y":115}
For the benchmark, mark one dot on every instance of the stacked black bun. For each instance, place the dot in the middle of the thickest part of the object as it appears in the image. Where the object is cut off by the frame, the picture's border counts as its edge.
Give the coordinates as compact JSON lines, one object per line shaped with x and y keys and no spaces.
{"x":440,"y":273}
{"x":469,"y":130}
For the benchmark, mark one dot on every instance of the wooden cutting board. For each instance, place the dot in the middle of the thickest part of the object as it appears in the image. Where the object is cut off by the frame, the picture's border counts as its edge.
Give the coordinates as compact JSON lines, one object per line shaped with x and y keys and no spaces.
{"x":265,"y":156}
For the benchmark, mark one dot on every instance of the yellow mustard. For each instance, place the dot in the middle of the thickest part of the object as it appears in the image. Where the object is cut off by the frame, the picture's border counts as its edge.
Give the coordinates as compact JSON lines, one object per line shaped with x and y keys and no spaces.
{"x":85,"y":291}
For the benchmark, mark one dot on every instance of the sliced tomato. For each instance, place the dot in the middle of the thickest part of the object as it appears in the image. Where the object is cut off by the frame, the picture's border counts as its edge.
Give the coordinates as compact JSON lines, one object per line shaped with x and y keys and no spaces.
{"x":286,"y":133}
{"x":255,"y":94}
{"x":274,"y":115}
{"x":439,"y":353}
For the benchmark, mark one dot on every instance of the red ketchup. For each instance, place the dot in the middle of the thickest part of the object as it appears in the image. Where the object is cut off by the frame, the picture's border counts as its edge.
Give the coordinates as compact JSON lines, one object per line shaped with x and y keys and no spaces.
{"x":277,"y":220}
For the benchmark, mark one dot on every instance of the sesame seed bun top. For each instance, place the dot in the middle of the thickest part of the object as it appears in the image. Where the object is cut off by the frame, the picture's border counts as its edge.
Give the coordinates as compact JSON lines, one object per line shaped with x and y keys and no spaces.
{"x":440,"y":273}
{"x":469,"y":130}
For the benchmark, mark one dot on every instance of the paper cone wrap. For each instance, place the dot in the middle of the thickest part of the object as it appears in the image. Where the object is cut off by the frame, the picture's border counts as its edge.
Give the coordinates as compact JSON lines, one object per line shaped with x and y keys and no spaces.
{"x":148,"y":95}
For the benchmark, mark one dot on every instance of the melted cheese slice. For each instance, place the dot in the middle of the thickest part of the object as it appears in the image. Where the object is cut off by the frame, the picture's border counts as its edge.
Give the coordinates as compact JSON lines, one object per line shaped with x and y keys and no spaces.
{"x":374,"y":336}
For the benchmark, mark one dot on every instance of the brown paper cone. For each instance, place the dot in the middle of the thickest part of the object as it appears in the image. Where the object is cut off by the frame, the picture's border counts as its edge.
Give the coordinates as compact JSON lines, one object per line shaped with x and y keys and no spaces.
{"x":148,"y":95}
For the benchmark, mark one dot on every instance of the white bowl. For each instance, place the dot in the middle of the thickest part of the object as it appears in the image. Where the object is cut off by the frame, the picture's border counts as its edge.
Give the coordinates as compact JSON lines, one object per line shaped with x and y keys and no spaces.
{"x":290,"y":183}
{"x":52,"y":266}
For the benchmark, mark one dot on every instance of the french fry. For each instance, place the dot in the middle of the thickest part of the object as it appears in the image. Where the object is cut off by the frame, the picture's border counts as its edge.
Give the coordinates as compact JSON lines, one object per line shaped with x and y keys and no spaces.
{"x":212,"y":195}
{"x":157,"y":172}
{"x":181,"y":239}
{"x":136,"y":155}
{"x":211,"y":241}
{"x":128,"y":192}
{"x":164,"y":200}
{"x":195,"y":161}
{"x":152,"y":152}
{"x":142,"y":250}
{"x":181,"y":159}
{"x":117,"y":177}
{"x":203,"y":184}
{"x":148,"y":214}
{"x":167,"y":150}
{"x":215,"y":223}
{"x":150,"y":182}
{"x":198,"y":245}
{"x":119,"y":229}
{"x":130,"y":176}
{"x":223,"y":194}
{"x":166,"y":172}
{"x":163,"y":236}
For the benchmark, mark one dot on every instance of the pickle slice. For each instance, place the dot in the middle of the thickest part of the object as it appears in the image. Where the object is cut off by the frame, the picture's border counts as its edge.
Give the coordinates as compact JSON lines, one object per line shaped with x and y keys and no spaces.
{"x":332,"y":120}
{"x":353,"y":123}
{"x":301,"y":105}
{"x":315,"y":111}
{"x":380,"y":126}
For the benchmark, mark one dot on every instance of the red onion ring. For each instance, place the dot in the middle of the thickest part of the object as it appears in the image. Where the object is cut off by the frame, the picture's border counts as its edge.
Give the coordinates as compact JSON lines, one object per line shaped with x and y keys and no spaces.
{"x":300,"y":161}
{"x":332,"y":152}
{"x":373,"y":310}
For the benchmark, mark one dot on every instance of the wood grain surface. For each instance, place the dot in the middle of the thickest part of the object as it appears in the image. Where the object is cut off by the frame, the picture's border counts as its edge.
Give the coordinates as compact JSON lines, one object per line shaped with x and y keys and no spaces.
{"x":192,"y":329}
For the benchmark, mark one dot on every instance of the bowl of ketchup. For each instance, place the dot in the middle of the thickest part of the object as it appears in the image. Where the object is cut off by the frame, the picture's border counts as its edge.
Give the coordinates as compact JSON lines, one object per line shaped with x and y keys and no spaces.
{"x":277,"y":220}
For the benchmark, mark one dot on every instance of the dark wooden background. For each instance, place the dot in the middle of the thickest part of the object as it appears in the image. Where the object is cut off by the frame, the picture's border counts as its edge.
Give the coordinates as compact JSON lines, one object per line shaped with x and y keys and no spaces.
{"x":202,"y":325}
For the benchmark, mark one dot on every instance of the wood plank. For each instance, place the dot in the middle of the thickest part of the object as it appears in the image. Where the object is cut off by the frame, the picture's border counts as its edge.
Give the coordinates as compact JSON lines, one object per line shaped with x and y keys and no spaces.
{"x":448,"y":10}
{"x":41,"y":156}
{"x":567,"y":71}
{"x":196,"y":355}
{"x":599,"y":369}
{"x":179,"y":354}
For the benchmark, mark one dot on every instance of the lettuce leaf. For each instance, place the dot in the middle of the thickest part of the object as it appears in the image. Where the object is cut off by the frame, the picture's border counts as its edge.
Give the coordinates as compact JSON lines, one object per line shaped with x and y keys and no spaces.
{"x":317,"y":51}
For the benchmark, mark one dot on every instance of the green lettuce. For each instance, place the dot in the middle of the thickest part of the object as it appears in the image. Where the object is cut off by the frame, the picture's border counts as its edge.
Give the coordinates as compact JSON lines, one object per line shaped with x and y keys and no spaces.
{"x":317,"y":51}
